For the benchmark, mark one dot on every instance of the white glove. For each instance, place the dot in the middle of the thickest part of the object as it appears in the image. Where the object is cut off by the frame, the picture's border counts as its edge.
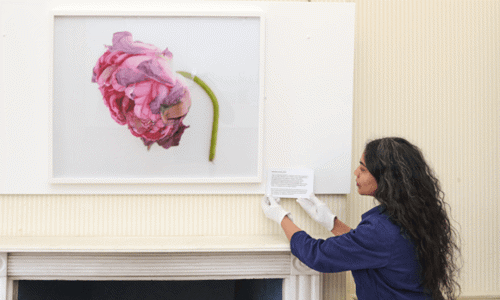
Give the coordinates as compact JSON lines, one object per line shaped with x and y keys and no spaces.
{"x":318,"y":210}
{"x":273,"y":210}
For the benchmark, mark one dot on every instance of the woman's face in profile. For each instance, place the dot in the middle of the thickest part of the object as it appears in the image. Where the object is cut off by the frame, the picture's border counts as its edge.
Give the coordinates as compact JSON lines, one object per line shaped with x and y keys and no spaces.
{"x":366,"y":183}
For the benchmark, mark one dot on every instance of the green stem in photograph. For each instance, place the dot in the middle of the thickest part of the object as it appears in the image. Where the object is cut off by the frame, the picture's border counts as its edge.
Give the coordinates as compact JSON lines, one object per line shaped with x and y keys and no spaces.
{"x":215,"y":124}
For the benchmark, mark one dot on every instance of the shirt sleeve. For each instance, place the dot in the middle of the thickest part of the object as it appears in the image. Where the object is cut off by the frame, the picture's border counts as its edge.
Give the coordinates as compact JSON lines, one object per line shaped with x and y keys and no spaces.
{"x":366,"y":247}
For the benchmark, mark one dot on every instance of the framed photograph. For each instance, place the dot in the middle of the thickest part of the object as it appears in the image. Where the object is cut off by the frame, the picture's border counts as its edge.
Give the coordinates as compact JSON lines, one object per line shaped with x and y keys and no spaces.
{"x":123,"y":100}
{"x":175,"y":97}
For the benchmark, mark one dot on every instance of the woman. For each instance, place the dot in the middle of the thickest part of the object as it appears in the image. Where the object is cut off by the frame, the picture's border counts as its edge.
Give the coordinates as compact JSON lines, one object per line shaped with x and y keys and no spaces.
{"x":404,"y":248}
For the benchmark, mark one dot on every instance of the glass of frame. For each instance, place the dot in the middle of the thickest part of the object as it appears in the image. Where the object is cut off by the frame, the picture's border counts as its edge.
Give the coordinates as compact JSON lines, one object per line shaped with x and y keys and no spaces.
{"x":222,"y":48}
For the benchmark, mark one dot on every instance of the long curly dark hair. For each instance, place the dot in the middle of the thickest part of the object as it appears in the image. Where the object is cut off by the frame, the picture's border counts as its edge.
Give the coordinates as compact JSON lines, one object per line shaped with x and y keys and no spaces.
{"x":413,"y":199}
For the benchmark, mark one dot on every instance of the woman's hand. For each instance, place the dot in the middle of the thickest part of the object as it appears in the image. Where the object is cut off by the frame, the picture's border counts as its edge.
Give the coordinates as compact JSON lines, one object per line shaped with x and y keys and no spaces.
{"x":272,"y":209}
{"x":318,"y":211}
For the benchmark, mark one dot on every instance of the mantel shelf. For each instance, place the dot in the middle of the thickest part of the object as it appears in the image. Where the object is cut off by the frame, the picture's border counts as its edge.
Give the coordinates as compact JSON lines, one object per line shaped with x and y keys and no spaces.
{"x":187,"y":244}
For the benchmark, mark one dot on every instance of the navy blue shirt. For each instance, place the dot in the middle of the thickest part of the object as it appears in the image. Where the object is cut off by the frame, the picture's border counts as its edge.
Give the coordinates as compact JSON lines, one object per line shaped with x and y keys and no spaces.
{"x":384,"y":264}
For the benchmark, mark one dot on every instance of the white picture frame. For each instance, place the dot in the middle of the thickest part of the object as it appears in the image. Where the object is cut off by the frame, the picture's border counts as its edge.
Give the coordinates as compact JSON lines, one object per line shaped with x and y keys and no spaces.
{"x":224,"y":48}
{"x":306,"y":101}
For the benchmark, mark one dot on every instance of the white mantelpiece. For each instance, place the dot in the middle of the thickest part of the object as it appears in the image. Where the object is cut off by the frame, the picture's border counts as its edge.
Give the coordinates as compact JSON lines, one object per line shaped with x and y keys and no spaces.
{"x":173,"y":258}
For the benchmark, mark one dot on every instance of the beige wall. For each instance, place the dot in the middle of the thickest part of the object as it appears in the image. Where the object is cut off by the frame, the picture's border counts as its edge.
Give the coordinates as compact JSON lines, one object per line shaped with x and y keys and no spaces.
{"x":430,"y":71}
{"x":425,"y":70}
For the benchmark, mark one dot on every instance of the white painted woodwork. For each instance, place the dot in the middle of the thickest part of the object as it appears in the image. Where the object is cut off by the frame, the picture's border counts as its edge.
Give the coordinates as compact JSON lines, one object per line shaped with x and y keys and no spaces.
{"x":112,"y":261}
{"x":3,"y":276}
{"x":161,"y":265}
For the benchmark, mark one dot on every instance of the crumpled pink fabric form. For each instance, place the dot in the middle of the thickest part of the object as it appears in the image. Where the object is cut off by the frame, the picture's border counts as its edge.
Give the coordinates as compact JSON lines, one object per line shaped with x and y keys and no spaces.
{"x":141,"y":90}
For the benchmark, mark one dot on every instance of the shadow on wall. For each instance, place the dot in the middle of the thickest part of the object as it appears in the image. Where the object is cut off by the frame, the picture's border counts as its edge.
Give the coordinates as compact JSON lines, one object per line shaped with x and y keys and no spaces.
{"x":247,"y":289}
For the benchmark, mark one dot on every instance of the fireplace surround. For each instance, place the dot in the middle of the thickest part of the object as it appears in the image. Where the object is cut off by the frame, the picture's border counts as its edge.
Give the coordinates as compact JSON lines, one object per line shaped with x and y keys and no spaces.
{"x":182,"y":258}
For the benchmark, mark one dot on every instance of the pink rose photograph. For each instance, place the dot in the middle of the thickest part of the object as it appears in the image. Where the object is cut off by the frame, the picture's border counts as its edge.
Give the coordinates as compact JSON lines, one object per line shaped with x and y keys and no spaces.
{"x":157,"y":99}
{"x":141,"y":90}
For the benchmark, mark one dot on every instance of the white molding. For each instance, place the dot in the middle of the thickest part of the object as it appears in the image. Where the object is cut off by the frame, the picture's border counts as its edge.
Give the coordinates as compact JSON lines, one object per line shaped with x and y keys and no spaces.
{"x":3,"y":264}
{"x":299,"y":268}
{"x":12,"y":286}
{"x":213,"y":265}
{"x":303,"y":287}
{"x":175,"y":244}
{"x":3,"y":276}
{"x":299,"y":282}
